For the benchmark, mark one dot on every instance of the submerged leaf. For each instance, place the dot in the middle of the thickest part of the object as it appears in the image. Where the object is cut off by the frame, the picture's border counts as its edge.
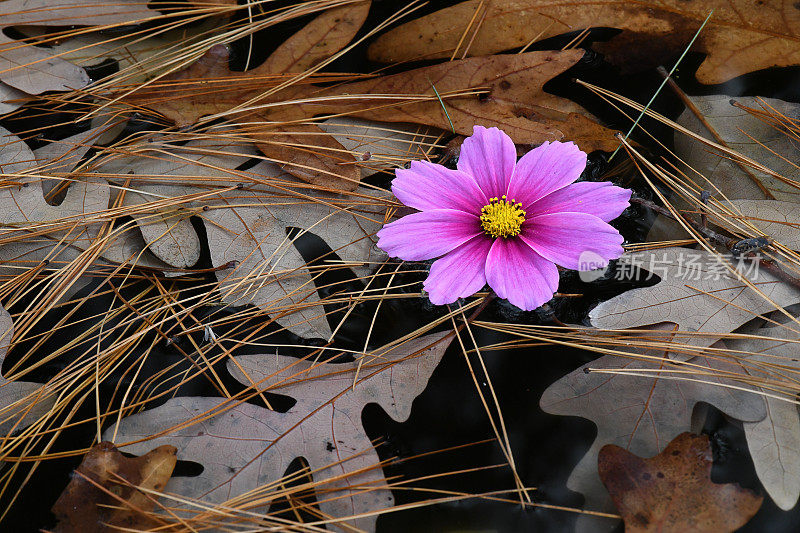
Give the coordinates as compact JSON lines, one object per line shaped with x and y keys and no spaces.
{"x":673,"y":492}
{"x":84,"y":507}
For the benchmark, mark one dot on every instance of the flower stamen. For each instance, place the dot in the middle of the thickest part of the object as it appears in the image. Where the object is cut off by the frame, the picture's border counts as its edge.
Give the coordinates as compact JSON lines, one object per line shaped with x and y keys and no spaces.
{"x":501,"y":218}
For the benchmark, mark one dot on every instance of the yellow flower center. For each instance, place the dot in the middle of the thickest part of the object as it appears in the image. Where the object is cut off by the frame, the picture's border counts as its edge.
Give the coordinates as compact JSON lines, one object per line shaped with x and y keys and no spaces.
{"x":501,"y":218}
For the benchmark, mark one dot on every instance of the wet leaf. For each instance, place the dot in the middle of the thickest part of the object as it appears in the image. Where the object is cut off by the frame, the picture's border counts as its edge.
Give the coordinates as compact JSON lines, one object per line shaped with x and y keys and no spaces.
{"x":82,"y":505}
{"x":242,"y":446}
{"x":640,"y":411}
{"x":696,"y":292}
{"x":742,"y":36}
{"x":673,"y":492}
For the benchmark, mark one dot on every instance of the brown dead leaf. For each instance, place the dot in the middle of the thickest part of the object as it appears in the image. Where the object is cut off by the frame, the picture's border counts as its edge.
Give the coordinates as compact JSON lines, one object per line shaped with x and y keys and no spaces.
{"x":510,"y":86}
{"x":242,"y":446}
{"x":304,"y":150}
{"x":673,"y":492}
{"x":317,"y":41}
{"x":641,"y":411}
{"x":81,"y":507}
{"x":742,"y":36}
{"x":513,"y":99}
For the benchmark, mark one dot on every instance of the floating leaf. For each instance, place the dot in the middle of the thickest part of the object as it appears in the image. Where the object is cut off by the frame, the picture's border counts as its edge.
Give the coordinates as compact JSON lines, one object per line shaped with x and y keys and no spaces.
{"x":242,"y":446}
{"x":673,"y":491}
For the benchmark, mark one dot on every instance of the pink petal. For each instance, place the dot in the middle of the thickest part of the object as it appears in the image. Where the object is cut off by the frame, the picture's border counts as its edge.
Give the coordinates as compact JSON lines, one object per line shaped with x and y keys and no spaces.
{"x":428,"y":234}
{"x":489,"y":157}
{"x":602,"y":200}
{"x":569,"y":239}
{"x":519,"y":274}
{"x":460,"y":273}
{"x":545,"y":169}
{"x":429,"y":186}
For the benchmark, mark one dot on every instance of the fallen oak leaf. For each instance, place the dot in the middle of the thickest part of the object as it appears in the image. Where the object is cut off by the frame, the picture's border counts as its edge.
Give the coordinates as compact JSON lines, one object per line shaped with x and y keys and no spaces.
{"x":304,"y":150}
{"x":503,"y":91}
{"x":780,"y":221}
{"x":774,"y":442}
{"x":21,"y":403}
{"x":247,"y":228}
{"x":696,"y":292}
{"x":250,"y":228}
{"x":22,"y":201}
{"x":747,"y":134}
{"x":161,"y":171}
{"x":105,"y":478}
{"x":381,"y":147}
{"x":673,"y":492}
{"x":33,"y":231}
{"x":641,"y":410}
{"x":32,"y":69}
{"x":8,"y":95}
{"x":511,"y":98}
{"x":243,"y":446}
{"x":740,"y":37}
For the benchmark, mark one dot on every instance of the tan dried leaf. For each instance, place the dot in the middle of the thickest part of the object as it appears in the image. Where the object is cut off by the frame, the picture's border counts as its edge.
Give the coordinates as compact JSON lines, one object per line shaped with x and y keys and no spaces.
{"x":696,"y":292}
{"x":748,"y":135}
{"x":774,"y":442}
{"x":21,"y":402}
{"x":243,"y":446}
{"x":33,"y":69}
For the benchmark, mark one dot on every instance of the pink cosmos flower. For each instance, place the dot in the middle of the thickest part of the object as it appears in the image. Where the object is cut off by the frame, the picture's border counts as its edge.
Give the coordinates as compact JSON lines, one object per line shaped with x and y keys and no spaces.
{"x":504,"y":222}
